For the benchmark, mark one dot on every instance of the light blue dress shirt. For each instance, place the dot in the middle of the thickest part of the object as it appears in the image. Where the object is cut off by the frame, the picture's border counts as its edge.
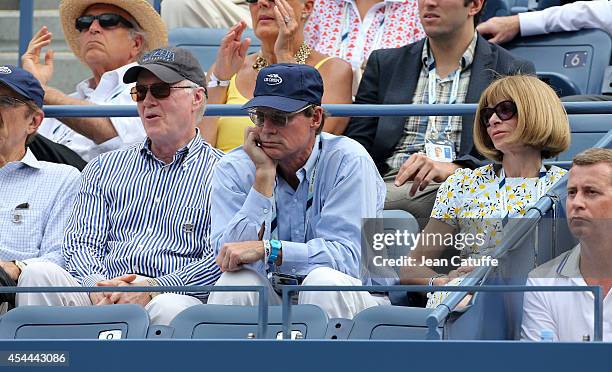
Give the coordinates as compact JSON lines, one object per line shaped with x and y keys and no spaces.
{"x":347,"y":188}
{"x":44,"y":191}
{"x":135,"y":214}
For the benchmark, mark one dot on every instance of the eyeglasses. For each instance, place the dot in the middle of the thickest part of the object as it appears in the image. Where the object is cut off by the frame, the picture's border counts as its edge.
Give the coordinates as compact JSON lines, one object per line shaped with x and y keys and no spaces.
{"x":9,"y":101}
{"x":280,"y":119}
{"x":106,"y":20}
{"x":504,"y":110}
{"x":158,"y":90}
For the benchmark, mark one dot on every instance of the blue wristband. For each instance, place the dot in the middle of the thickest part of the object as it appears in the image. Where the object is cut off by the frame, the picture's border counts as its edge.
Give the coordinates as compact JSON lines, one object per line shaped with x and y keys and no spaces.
{"x":276,"y":247}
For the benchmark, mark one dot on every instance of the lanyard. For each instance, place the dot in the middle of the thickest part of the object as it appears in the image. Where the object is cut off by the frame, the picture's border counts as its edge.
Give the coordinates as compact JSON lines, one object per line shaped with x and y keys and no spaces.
{"x":311,"y":182}
{"x":346,"y":29}
{"x":432,"y":93}
{"x":504,"y":210}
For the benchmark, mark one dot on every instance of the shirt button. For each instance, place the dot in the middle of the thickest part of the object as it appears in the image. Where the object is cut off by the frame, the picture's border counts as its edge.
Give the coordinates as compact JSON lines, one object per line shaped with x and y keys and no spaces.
{"x":157,"y":200}
{"x":293,"y":271}
{"x":140,"y":246}
{"x":150,"y":230}
{"x":265,"y":210}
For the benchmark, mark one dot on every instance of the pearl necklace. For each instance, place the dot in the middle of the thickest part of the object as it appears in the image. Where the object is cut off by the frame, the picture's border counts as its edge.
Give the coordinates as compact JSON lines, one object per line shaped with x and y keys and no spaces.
{"x":300,"y":57}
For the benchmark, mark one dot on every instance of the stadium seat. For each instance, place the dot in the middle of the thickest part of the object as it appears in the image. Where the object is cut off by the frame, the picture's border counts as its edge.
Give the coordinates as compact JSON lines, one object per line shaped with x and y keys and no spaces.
{"x":494,"y":8}
{"x":160,"y":331}
{"x":204,"y":42}
{"x":395,"y":220}
{"x":572,"y":62}
{"x":75,"y":322}
{"x":390,"y":323}
{"x":586,"y":130}
{"x":239,"y":322}
{"x":338,"y":329}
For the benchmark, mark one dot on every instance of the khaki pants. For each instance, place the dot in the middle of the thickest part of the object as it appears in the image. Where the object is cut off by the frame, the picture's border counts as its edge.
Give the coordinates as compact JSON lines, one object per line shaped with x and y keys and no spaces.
{"x":335,"y":304}
{"x":420,"y":205}
{"x":162,"y":309}
{"x":204,"y":13}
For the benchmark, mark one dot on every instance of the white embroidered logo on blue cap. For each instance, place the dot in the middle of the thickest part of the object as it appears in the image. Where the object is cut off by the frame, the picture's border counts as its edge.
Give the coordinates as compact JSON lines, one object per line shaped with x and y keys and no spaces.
{"x":5,"y":70}
{"x":272,"y":79}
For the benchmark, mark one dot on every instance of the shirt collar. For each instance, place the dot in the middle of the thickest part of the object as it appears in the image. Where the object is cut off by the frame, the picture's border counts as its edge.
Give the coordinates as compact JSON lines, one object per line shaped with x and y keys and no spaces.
{"x":30,"y":160}
{"x":569,"y":266}
{"x":308,"y":168}
{"x":108,"y":79}
{"x":466,"y":58}
{"x":185,"y":154}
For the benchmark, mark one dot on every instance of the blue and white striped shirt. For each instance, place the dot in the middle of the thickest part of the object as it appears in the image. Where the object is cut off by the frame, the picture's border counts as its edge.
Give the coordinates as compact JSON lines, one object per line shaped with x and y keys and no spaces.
{"x":136,"y":214}
{"x":44,"y":193}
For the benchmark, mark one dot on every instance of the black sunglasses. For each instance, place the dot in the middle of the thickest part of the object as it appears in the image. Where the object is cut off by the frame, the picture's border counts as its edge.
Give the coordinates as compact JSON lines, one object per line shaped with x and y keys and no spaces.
{"x":158,"y":90}
{"x":106,"y":20}
{"x":504,"y":110}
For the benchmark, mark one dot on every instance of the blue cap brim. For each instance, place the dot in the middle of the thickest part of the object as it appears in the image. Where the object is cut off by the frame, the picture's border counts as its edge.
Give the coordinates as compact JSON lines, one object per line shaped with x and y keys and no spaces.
{"x":37,"y":100}
{"x":276,"y":102}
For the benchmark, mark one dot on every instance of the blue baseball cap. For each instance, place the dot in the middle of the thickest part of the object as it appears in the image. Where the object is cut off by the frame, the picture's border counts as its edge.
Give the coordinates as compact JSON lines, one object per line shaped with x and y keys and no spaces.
{"x":22,"y":82}
{"x":287,"y":87}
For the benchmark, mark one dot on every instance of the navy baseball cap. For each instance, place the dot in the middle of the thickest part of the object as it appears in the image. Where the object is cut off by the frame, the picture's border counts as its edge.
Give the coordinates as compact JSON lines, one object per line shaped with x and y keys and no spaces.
{"x":22,"y":82}
{"x":287,"y":87}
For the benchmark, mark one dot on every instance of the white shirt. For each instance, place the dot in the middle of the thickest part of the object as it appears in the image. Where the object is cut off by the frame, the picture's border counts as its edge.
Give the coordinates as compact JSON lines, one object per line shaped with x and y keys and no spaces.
{"x":569,"y":17}
{"x":110,"y":91}
{"x":568,"y":314}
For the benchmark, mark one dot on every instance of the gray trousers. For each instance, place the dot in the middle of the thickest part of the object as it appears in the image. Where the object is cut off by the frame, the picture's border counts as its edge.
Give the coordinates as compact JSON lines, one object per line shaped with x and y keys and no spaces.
{"x":420,"y":205}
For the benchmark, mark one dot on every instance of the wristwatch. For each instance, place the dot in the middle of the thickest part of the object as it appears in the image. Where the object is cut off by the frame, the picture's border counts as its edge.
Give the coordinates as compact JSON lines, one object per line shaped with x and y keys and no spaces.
{"x":20,"y":264}
{"x":214,"y":82}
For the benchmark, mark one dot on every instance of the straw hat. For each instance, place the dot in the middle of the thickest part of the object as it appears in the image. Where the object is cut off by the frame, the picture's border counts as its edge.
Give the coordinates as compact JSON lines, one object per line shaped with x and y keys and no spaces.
{"x":147,"y":18}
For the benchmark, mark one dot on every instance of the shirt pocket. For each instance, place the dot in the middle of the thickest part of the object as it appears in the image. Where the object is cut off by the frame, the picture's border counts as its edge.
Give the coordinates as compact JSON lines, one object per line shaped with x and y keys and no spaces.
{"x":21,"y":230}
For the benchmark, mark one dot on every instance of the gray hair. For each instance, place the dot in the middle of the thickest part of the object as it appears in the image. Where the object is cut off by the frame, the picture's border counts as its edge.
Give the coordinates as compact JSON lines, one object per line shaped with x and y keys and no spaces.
{"x":135,"y":32}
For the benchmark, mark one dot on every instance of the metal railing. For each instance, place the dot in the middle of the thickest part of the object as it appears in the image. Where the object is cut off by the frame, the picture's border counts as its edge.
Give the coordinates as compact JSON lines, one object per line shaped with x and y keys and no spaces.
{"x":334,"y":109}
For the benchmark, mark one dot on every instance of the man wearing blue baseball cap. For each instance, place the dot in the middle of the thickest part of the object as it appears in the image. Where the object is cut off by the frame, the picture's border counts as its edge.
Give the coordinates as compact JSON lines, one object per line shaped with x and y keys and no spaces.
{"x":35,"y":196}
{"x":288,"y":204}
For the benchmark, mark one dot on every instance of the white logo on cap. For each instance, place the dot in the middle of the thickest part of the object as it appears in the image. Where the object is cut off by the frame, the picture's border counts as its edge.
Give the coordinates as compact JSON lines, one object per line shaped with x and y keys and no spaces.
{"x":5,"y":70}
{"x":273,"y":79}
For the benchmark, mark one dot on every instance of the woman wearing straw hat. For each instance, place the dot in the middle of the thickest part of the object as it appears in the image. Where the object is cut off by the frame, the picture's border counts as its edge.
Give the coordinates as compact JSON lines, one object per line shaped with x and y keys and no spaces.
{"x":108,"y":37}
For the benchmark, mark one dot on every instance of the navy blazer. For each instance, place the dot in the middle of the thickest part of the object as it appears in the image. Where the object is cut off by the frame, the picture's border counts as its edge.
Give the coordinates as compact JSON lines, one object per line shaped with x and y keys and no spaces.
{"x":391,"y":77}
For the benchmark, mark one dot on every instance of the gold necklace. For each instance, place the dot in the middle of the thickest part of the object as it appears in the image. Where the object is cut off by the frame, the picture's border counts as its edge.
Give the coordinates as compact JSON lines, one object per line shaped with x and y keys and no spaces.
{"x":300,"y":57}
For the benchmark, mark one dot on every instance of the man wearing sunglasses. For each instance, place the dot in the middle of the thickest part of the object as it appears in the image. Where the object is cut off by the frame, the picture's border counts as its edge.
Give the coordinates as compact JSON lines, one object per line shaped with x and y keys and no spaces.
{"x":142,"y":215}
{"x":288,"y":204}
{"x":108,"y":37}
{"x":35,"y":196}
{"x":453,"y":64}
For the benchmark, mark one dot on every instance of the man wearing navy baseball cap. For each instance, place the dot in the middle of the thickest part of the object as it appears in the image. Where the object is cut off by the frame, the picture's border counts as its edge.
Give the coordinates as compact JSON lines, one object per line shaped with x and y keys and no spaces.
{"x":36,"y":196}
{"x":288,"y":204}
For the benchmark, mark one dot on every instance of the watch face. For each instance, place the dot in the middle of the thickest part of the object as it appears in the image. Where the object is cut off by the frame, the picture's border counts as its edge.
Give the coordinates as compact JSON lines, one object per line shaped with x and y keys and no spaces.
{"x":275,"y":243}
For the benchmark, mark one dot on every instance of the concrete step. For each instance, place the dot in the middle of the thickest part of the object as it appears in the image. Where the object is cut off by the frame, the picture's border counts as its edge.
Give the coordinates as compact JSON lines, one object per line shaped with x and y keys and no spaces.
{"x":68,"y":70}
{"x":9,"y":24}
{"x":38,"y":4}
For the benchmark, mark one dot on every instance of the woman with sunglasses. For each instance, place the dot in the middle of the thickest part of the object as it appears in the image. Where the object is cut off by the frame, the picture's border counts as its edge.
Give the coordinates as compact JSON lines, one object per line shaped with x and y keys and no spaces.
{"x":279,"y":25}
{"x":520,"y":121}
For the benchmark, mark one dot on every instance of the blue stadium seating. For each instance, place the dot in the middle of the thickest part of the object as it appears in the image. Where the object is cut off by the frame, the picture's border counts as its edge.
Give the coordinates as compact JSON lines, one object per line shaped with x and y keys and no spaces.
{"x":495,"y":8}
{"x":237,"y":322}
{"x":572,"y":62}
{"x":391,"y":323}
{"x":204,"y":42}
{"x":586,"y":130}
{"x":75,"y":322}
